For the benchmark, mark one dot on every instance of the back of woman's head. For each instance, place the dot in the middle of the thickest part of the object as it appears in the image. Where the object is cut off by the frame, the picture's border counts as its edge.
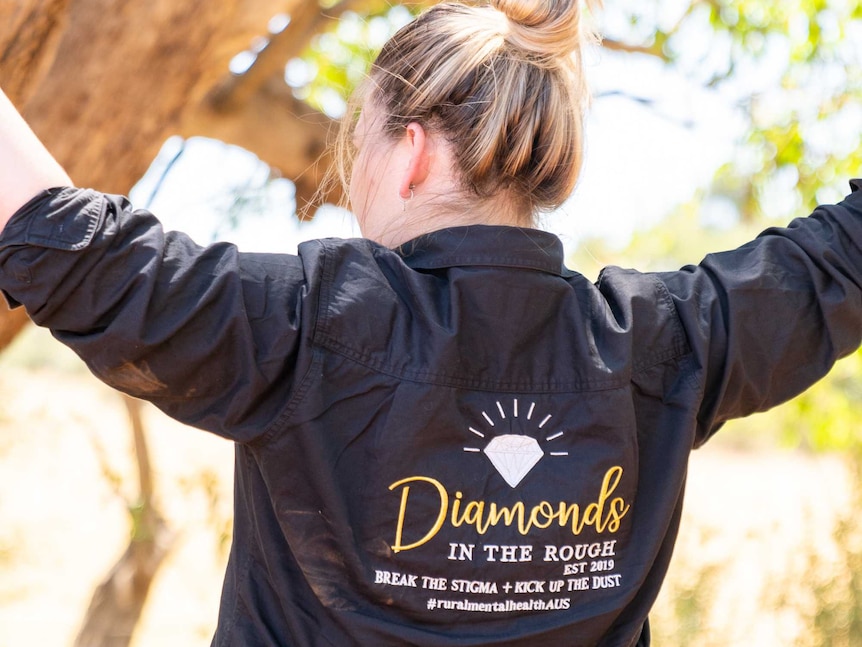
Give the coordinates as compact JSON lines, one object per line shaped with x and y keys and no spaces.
{"x":503,"y":84}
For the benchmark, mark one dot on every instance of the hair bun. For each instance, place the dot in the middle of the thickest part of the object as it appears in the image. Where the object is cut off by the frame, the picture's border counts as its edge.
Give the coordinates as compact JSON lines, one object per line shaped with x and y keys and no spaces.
{"x":549,"y":29}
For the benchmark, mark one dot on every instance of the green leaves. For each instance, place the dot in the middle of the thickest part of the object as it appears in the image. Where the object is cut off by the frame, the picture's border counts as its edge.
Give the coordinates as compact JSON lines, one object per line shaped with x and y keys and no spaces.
{"x":339,"y":59}
{"x":792,"y":68}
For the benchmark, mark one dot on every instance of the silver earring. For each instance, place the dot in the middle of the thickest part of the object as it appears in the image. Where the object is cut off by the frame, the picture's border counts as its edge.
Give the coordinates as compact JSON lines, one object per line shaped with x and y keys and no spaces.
{"x":404,"y":202}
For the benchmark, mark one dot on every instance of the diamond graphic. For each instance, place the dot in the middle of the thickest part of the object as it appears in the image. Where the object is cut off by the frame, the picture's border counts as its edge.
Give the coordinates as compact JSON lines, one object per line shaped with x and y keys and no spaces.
{"x":514,"y":456}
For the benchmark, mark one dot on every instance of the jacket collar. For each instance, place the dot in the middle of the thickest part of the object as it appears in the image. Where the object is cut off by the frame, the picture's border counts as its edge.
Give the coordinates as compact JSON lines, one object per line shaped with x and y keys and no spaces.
{"x":488,"y":245}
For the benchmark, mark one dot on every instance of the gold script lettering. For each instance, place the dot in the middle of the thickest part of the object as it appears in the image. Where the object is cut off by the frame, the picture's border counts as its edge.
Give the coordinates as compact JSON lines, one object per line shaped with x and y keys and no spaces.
{"x":441,"y":516}
{"x":604,"y":514}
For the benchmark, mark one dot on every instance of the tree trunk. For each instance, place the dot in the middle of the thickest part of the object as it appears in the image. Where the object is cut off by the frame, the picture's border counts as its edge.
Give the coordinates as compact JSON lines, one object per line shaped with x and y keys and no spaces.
{"x":117,"y":603}
{"x":30,"y":32}
{"x":124,"y":74}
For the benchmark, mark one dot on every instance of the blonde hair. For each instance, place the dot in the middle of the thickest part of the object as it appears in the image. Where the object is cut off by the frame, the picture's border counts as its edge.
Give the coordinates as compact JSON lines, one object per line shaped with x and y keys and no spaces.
{"x":503,"y":83}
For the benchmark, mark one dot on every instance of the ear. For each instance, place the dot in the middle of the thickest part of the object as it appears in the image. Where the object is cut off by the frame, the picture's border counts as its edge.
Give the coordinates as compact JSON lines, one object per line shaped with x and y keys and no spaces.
{"x":418,"y":162}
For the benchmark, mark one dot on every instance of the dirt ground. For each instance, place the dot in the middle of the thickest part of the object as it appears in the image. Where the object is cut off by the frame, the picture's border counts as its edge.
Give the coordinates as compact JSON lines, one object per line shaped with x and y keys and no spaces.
{"x":65,"y":468}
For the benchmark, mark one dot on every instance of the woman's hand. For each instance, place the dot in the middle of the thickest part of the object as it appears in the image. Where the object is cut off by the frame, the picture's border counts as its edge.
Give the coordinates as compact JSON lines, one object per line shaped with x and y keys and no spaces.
{"x":26,"y":166}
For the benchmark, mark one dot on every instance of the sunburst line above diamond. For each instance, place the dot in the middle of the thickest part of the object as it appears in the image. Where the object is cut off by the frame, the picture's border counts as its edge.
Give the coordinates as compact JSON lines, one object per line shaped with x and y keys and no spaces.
{"x":500,"y":409}
{"x":477,"y":432}
{"x":555,"y":436}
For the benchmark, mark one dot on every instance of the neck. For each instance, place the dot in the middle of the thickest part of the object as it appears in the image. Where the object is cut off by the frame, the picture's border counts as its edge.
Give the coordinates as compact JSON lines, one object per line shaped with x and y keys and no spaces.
{"x":428,"y":215}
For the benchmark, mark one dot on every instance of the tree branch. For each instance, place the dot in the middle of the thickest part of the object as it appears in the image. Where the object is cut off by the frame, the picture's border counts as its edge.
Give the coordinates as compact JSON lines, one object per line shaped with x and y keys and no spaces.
{"x":281,"y":130}
{"x":619,"y":46}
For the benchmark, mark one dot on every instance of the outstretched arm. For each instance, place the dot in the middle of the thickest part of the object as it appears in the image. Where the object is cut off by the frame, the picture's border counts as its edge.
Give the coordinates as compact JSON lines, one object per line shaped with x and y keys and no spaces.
{"x":26,"y":167}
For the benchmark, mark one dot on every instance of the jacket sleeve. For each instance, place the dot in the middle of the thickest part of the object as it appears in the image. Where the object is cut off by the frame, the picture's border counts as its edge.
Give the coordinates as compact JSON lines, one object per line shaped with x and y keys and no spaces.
{"x":769,"y":319}
{"x":209,"y":335}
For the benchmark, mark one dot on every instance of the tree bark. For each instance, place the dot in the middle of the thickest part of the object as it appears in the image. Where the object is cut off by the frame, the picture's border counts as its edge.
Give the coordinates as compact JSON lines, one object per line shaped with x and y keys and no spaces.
{"x":125,"y":73}
{"x":30,"y":32}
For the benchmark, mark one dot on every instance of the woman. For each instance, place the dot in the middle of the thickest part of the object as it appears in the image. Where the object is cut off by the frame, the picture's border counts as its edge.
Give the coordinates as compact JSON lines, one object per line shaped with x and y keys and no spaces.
{"x":443,"y":436}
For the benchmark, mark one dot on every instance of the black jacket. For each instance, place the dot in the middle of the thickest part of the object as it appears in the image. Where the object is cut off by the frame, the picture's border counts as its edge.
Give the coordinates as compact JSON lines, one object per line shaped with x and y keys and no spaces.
{"x":459,"y":442}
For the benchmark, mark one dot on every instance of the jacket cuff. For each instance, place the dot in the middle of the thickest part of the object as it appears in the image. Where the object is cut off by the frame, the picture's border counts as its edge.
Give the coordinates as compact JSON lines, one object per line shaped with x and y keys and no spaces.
{"x":62,"y":218}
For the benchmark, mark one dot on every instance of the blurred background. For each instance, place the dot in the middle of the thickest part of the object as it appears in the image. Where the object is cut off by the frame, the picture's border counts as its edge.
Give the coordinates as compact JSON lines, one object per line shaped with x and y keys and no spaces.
{"x":711,"y":120}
